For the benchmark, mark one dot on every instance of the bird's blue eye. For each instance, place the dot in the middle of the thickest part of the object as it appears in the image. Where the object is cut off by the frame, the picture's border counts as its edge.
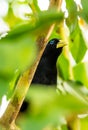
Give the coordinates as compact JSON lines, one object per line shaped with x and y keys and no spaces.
{"x":52,"y":42}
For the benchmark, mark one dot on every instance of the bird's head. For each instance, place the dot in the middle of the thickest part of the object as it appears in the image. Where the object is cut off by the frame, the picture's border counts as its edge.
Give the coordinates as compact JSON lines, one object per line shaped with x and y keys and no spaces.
{"x":54,"y":47}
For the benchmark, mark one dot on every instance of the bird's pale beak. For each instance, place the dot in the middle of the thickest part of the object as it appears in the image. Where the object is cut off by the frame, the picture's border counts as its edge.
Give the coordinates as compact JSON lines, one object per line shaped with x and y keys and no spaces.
{"x":61,"y":44}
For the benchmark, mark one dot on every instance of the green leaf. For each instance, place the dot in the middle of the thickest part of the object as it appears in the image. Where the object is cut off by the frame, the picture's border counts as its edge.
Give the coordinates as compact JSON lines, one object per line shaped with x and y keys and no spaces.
{"x":64,"y":127}
{"x":72,"y":14}
{"x":76,"y":89}
{"x":47,"y":107}
{"x":80,"y":72}
{"x":36,"y":5}
{"x":77,"y":45}
{"x":16,"y":54}
{"x":84,"y":123}
{"x":84,"y":11}
{"x":7,"y":84}
{"x":3,"y":87}
{"x":39,"y":25}
{"x":63,"y":67}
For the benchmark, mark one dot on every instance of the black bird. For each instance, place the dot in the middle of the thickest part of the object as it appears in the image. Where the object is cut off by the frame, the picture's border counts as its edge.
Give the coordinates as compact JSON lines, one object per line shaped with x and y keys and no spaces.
{"x":46,"y":72}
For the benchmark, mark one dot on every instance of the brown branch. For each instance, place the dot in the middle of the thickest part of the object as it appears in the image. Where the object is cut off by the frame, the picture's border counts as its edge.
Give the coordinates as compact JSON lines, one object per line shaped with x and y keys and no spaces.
{"x":55,"y":4}
{"x":24,"y":82}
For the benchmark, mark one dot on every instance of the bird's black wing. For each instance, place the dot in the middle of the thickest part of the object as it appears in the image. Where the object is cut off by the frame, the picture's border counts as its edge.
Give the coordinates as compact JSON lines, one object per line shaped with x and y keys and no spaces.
{"x":45,"y":74}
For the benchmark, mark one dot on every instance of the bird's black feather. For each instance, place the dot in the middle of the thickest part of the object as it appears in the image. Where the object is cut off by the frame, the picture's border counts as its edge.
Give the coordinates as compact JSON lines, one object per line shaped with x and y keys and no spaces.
{"x":46,"y":72}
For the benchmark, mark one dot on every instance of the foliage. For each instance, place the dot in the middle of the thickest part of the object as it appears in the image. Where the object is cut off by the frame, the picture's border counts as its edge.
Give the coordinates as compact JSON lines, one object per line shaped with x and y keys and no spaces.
{"x":47,"y":109}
